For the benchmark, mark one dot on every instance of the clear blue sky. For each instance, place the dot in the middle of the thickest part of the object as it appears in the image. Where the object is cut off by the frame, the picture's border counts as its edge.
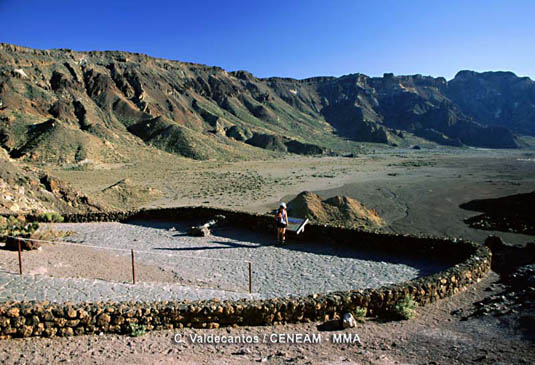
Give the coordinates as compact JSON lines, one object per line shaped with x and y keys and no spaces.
{"x":291,"y":38}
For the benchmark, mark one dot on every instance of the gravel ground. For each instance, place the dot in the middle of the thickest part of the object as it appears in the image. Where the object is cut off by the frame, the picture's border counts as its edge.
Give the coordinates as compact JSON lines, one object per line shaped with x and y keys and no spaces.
{"x":40,"y":288}
{"x":95,"y":265}
{"x":220,"y":261}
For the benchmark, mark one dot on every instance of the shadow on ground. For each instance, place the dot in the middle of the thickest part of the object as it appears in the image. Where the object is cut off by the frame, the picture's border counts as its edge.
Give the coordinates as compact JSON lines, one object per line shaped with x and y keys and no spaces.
{"x":239,"y":238}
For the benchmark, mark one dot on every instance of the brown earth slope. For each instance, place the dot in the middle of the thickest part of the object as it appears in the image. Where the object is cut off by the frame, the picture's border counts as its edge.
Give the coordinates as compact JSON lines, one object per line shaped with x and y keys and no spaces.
{"x":125,"y":194}
{"x":25,"y":190}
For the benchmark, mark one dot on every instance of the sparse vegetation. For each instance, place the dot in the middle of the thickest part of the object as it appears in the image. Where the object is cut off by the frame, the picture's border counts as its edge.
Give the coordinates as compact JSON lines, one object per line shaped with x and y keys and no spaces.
{"x":405,"y":308}
{"x":17,"y":227}
{"x":137,"y":330}
{"x":51,"y":217}
{"x":50,"y":234}
{"x":415,"y":163}
{"x":360,"y":313}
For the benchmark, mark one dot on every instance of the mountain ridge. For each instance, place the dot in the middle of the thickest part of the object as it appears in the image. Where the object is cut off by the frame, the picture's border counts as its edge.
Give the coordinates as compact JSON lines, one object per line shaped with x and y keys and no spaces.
{"x":101,"y":104}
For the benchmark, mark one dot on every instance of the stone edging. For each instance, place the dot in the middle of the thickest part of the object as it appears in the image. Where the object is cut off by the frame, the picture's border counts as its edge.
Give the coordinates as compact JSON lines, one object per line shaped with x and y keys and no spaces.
{"x":471,"y":262}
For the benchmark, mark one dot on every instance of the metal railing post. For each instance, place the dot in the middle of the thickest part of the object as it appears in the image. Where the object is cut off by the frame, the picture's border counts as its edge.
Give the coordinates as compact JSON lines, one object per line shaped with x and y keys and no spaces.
{"x":20,"y":257}
{"x":133,"y":268}
{"x":250,"y":277}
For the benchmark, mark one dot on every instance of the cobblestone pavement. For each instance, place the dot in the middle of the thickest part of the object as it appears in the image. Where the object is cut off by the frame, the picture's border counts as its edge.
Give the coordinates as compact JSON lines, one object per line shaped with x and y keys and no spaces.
{"x":217,"y":264}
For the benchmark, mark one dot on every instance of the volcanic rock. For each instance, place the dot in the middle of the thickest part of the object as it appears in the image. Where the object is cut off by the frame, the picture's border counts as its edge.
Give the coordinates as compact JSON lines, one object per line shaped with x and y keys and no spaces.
{"x":338,"y":210}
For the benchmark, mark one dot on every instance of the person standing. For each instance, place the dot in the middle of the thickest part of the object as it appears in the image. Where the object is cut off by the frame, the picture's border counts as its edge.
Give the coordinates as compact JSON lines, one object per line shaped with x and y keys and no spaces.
{"x":281,"y":218}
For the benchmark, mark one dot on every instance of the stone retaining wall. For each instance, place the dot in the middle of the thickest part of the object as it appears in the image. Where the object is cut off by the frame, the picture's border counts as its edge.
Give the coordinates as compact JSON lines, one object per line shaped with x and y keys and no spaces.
{"x":471,"y":262}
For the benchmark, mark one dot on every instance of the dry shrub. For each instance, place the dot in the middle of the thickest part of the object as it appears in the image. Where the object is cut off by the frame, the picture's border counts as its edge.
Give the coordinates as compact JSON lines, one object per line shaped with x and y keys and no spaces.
{"x":51,"y":234}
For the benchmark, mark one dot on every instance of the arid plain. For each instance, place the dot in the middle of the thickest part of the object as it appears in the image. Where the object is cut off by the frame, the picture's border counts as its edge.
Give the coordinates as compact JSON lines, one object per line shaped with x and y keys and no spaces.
{"x":415,"y":191}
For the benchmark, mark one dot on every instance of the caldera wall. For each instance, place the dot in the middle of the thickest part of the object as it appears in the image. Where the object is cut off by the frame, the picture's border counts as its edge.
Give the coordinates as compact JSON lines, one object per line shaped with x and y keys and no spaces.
{"x":470,"y":262}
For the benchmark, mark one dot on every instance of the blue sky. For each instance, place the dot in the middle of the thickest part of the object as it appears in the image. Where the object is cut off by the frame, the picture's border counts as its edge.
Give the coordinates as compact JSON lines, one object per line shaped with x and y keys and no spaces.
{"x":291,"y":38}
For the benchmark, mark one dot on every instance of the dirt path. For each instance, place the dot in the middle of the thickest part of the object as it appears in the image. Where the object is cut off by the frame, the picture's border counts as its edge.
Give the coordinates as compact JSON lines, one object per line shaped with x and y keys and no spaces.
{"x":70,"y":261}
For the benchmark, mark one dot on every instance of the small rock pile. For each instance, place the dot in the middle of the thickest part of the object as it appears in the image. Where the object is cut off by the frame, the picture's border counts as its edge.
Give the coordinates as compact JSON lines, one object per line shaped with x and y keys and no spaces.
{"x":206,"y":229}
{"x":518,"y":295}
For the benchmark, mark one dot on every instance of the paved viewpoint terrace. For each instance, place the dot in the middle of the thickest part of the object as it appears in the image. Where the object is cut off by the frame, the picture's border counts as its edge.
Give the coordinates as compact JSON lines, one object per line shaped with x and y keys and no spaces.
{"x":171,"y":265}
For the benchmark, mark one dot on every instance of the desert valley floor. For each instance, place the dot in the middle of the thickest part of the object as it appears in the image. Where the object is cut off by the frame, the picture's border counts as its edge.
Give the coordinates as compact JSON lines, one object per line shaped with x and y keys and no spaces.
{"x":414,"y":191}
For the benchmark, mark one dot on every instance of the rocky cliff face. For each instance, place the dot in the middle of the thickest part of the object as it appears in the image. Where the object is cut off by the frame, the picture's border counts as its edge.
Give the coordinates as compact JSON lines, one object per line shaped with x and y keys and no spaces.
{"x":67,"y":106}
{"x":496,"y":99}
{"x":376,"y":109}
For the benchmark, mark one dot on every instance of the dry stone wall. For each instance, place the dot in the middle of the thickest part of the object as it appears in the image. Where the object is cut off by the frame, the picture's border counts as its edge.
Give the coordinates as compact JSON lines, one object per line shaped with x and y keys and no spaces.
{"x":470,"y":263}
